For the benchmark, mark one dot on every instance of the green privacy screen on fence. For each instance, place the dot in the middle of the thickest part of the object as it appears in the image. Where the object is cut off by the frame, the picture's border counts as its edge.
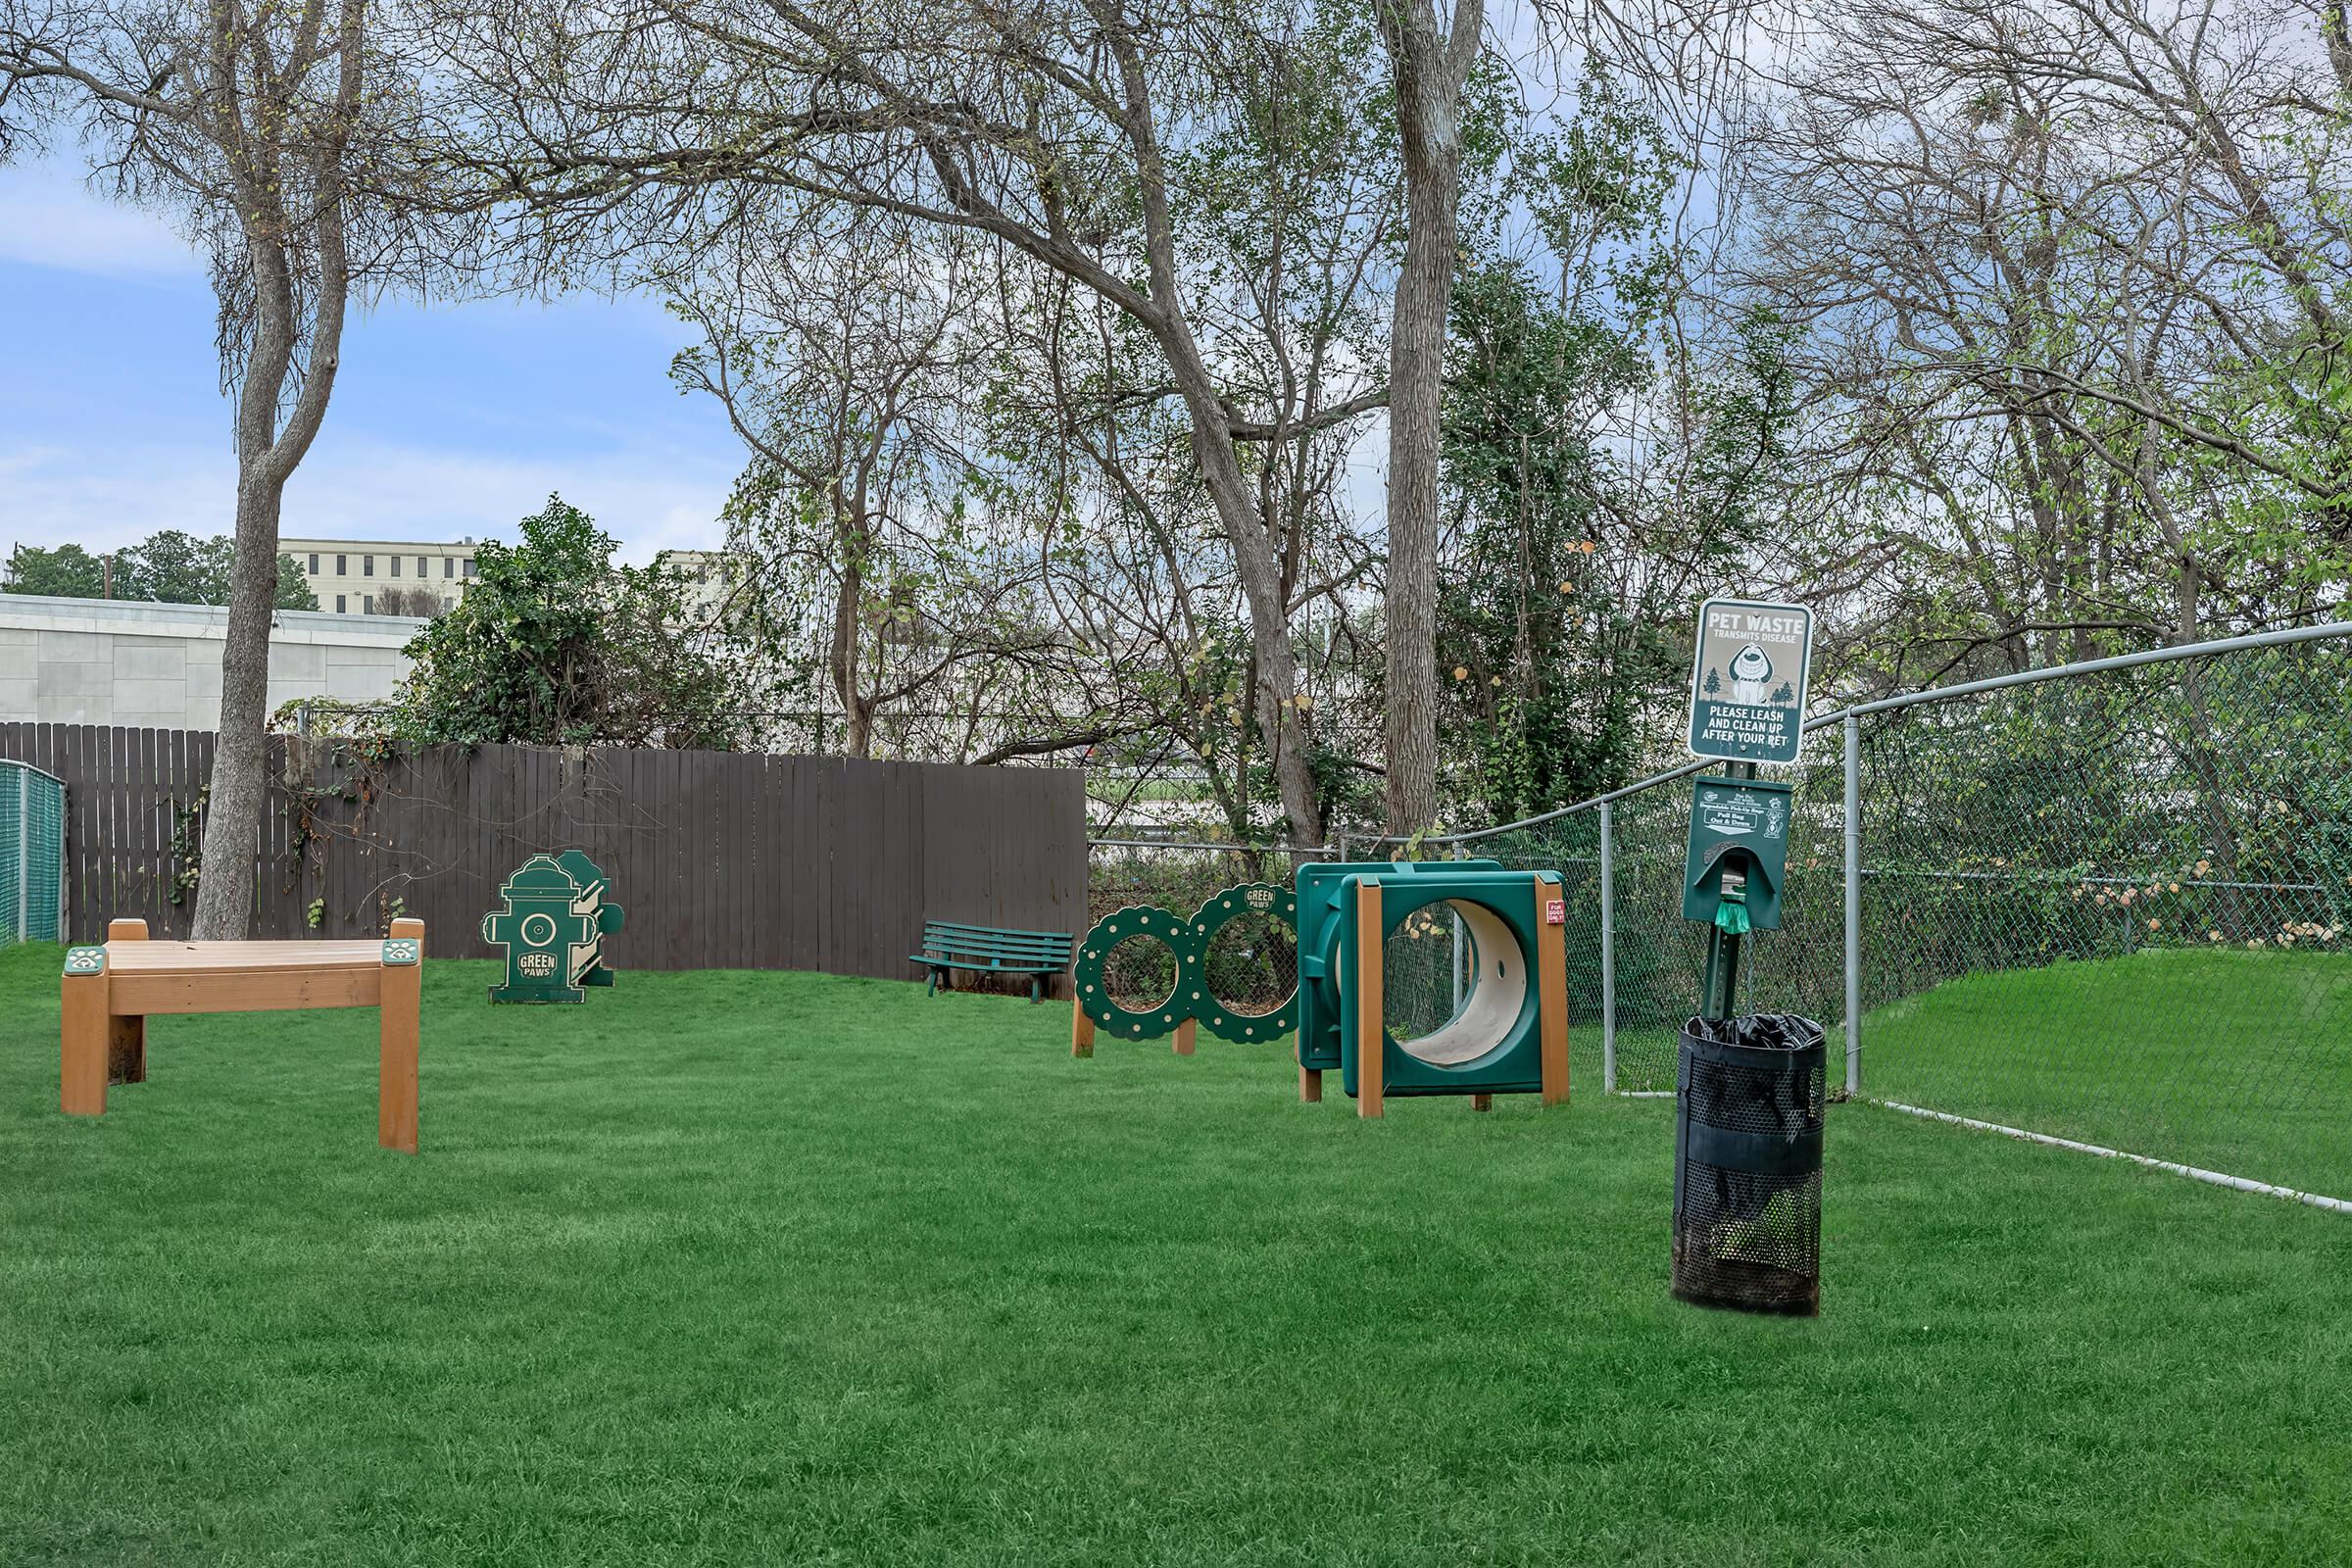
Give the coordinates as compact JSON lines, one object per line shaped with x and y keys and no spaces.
{"x":32,"y":852}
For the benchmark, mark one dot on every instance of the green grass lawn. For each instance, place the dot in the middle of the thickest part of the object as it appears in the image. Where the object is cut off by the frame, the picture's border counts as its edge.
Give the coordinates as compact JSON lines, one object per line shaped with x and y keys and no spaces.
{"x":775,"y":1268}
{"x":2234,"y":1060}
{"x":2239,"y":1061}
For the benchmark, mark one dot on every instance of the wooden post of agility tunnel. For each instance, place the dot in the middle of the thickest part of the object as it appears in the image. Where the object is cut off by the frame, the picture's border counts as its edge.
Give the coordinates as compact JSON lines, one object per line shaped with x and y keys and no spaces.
{"x":1310,"y":1085}
{"x":1187,"y":1033}
{"x":400,"y":1009}
{"x":1551,"y":992}
{"x":126,"y":1038}
{"x":1082,"y":1029}
{"x":1371,"y":1024}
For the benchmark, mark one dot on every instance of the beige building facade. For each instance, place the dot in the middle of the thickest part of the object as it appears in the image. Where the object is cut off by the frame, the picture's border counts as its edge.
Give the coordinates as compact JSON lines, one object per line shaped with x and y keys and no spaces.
{"x":365,"y":576}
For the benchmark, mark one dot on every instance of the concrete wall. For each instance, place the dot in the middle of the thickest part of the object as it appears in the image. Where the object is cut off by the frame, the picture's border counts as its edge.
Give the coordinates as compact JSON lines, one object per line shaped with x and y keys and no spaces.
{"x":158,"y":666}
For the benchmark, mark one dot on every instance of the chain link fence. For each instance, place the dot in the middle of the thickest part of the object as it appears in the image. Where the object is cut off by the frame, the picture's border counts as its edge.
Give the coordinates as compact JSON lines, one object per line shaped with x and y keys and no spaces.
{"x":2113,"y":910}
{"x":32,"y":849}
{"x":2110,"y":905}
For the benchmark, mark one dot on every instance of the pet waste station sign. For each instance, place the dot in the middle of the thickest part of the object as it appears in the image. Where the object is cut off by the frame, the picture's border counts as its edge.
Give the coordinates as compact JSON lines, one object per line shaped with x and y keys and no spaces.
{"x":1748,"y":682}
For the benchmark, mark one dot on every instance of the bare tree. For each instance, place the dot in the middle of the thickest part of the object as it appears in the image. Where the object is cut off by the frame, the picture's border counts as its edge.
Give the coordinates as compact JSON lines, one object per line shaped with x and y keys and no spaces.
{"x":844,"y":370}
{"x":419,"y":601}
{"x":1149,"y":588}
{"x":1079,"y":133}
{"x":271,"y":133}
{"x":2072,"y":279}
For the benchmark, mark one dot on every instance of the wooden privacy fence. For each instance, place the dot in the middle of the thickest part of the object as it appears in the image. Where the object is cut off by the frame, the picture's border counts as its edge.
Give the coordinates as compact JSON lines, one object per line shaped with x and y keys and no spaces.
{"x":722,"y":860}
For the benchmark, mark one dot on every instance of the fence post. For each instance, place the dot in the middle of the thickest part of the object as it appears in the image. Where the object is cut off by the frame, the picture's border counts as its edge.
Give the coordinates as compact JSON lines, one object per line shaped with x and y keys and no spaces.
{"x":24,"y":856}
{"x":1854,"y":905}
{"x":1608,"y":952}
{"x":1456,"y":965}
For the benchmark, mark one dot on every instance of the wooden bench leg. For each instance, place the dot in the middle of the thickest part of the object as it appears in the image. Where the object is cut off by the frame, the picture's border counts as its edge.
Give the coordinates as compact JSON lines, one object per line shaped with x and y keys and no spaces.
{"x":126,"y":1038}
{"x":83,"y":1046}
{"x":401,"y":1009}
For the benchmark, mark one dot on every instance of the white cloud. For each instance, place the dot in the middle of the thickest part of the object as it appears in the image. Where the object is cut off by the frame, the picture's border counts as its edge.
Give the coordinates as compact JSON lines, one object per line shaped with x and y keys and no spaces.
{"x":359,"y":489}
{"x":50,"y":217}
{"x":54,"y":495}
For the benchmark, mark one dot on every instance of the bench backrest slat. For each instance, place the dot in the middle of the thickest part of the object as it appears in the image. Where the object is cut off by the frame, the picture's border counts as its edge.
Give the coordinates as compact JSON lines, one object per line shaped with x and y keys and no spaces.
{"x":949,"y":939}
{"x":994,"y":930}
{"x":999,"y":943}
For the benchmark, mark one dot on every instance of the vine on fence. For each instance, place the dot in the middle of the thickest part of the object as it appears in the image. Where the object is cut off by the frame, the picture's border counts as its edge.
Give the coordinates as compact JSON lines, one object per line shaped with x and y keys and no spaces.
{"x":187,"y":845}
{"x":355,"y":764}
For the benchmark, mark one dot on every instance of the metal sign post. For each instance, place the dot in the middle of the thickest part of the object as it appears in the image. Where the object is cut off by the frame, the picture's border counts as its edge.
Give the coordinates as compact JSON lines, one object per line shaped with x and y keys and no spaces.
{"x":1749,"y":667}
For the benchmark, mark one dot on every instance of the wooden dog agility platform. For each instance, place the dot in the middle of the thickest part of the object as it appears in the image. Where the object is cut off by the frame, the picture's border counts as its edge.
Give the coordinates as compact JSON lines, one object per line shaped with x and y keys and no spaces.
{"x":110,"y":992}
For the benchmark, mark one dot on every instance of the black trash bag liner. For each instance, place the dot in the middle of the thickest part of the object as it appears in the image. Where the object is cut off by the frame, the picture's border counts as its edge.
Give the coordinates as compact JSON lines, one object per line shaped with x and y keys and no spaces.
{"x":1750,"y":1106}
{"x":1758,"y":1031}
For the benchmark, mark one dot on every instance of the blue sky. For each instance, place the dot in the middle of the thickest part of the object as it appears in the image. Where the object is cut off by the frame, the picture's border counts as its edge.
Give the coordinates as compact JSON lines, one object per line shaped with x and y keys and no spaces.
{"x":445,"y":421}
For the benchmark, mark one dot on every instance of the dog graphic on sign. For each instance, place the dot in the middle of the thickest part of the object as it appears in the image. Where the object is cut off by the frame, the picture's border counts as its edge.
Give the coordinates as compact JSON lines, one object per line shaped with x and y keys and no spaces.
{"x":1751,"y":669}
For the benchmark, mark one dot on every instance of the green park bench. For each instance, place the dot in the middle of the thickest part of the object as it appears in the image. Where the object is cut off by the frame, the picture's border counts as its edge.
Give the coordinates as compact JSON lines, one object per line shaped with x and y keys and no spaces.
{"x":947,"y":946}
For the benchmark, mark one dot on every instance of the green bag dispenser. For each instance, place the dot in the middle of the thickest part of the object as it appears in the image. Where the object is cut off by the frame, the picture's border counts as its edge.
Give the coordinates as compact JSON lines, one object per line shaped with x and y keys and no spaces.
{"x":1737,"y":859}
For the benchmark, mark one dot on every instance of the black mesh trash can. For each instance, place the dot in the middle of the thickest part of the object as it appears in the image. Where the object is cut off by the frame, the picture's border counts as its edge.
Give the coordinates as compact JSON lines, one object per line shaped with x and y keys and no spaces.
{"x":1748,"y":1114}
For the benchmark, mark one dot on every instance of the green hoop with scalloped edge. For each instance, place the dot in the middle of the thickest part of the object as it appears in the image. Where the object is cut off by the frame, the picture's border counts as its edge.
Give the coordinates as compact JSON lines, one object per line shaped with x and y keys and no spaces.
{"x":1178,"y":935}
{"x":1275,"y":900}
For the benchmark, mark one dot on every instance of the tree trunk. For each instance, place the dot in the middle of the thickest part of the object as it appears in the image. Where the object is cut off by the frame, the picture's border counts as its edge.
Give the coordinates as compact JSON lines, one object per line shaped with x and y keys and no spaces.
{"x":858,"y":737}
{"x":267,"y":456}
{"x":240,"y":782}
{"x":1273,"y":699}
{"x":1429,"y":68}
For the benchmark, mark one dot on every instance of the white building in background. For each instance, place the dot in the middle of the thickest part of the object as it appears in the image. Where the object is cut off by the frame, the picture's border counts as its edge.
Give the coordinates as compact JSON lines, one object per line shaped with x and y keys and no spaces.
{"x":354,"y":577}
{"x":158,"y":666}
{"x":351,"y":576}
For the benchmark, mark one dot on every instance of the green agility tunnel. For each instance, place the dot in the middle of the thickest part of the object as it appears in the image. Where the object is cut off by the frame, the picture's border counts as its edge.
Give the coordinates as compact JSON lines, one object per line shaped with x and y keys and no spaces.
{"x":1495,"y":1042}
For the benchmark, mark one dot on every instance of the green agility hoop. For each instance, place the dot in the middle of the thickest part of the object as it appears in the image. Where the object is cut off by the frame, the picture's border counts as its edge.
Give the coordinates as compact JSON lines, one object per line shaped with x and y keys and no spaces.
{"x":1276,"y":902}
{"x":1182,"y":940}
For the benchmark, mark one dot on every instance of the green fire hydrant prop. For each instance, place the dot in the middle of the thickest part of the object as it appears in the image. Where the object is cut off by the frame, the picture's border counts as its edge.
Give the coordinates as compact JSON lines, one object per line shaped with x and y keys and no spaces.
{"x":553,"y":918}
{"x":1733,"y":873}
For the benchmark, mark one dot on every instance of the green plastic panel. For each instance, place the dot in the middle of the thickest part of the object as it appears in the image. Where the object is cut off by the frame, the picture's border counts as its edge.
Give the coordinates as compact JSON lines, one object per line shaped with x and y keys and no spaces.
{"x":553,"y":917}
{"x":32,"y":844}
{"x":1736,"y":824}
{"x":1275,"y":902}
{"x":1514,"y":1064}
{"x":1178,"y":934}
{"x":1324,"y":901}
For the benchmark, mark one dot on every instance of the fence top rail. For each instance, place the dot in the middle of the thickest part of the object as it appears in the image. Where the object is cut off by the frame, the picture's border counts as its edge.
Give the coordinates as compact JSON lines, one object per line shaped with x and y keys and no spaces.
{"x":2093,"y":666}
{"x":1203,"y":843}
{"x":9,"y":761}
{"x":1933,"y":694}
